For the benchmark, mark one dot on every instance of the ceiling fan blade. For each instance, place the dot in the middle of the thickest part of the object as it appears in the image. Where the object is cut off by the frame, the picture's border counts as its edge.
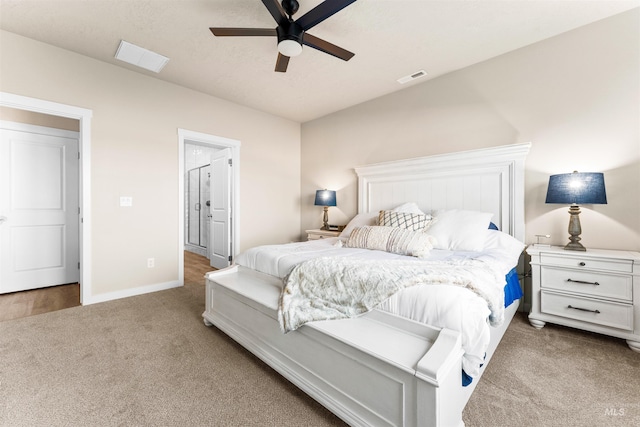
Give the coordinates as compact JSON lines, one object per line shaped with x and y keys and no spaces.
{"x":282,"y":63}
{"x":321,"y":12}
{"x":327,"y":47}
{"x":276,"y":10}
{"x":221,"y":32}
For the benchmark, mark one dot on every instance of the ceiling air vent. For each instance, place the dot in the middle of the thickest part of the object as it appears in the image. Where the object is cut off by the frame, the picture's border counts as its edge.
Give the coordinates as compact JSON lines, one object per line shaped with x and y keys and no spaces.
{"x":412,"y":77}
{"x":140,"y":57}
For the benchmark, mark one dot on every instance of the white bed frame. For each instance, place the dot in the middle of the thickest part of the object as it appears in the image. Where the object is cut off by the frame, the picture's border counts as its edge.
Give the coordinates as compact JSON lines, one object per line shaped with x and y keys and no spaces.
{"x":380,"y":369}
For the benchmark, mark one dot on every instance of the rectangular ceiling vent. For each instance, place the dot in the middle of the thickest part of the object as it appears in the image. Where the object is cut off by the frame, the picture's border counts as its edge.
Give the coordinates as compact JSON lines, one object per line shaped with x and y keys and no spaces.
{"x":141,"y":57}
{"x":412,"y":77}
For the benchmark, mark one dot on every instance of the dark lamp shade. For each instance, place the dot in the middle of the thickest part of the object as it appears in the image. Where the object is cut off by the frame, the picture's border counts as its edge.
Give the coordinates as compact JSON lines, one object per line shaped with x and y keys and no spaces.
{"x":577,"y":188}
{"x":325,"y":198}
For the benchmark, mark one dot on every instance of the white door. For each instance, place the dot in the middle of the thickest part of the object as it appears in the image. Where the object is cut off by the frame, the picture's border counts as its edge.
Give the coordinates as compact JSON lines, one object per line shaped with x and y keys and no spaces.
{"x":220,"y":209}
{"x":39,"y":208}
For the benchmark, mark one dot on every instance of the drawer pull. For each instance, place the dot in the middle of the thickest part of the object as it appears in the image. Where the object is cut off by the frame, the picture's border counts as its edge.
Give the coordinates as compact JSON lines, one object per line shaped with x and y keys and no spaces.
{"x":584,"y":309}
{"x":583,"y":282}
{"x":582,"y":264}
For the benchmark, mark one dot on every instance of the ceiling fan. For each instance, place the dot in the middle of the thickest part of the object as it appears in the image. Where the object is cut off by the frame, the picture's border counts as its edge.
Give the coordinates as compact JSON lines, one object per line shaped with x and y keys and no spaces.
{"x":293,"y":34}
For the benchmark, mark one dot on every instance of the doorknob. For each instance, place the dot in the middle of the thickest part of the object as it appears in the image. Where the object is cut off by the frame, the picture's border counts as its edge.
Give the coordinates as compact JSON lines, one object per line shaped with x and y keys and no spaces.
{"x":2,"y":219}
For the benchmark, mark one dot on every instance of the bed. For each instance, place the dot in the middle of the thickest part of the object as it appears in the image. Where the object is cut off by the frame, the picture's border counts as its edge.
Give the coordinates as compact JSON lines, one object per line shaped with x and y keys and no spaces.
{"x":381,"y":367}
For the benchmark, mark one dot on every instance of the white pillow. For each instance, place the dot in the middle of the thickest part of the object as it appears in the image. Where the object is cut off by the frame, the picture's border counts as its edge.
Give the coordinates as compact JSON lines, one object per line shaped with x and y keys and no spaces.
{"x":506,"y":245}
{"x":369,"y":218}
{"x":391,"y":239}
{"x":460,"y":230}
{"x":498,"y":240}
{"x":409,"y":207}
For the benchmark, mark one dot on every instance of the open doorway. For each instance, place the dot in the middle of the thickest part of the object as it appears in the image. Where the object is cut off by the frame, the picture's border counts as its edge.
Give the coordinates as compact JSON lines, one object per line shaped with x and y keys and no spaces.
{"x":201,"y":191}
{"x":83,"y":116}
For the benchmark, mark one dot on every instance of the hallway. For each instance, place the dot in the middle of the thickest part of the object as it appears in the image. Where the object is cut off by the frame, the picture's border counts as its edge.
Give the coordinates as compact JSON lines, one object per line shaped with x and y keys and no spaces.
{"x":28,"y":303}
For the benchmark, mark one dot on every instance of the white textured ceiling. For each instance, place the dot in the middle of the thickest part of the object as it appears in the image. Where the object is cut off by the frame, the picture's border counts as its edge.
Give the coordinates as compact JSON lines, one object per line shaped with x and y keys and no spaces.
{"x":390,"y":39}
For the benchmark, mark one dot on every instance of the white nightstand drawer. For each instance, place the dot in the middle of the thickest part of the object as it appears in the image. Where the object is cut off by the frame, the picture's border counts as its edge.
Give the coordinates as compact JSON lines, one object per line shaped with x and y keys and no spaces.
{"x":587,"y":282}
{"x":588,"y":263}
{"x":321,"y":234}
{"x":616,"y":315}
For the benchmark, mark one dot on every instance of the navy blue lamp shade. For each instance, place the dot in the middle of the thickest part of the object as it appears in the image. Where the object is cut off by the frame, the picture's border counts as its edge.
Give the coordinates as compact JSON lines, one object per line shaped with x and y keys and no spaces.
{"x":325,"y":198}
{"x":575,"y":189}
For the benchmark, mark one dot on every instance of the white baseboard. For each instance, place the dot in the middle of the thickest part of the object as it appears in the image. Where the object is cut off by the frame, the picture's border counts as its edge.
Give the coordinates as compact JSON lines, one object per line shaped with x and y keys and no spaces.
{"x":125,"y":293}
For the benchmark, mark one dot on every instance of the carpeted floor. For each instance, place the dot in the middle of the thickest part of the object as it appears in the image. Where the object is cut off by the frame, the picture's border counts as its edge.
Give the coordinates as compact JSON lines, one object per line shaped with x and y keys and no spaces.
{"x":150,"y":361}
{"x":557,"y":376}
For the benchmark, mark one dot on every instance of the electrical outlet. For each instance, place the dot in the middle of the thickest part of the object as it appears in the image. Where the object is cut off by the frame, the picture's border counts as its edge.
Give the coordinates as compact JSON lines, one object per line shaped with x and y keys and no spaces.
{"x":126,"y":201}
{"x":151,"y":262}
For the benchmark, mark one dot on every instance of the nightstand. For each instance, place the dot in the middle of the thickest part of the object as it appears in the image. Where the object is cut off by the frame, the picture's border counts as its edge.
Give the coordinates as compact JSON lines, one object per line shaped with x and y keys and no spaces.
{"x":320,"y":234}
{"x":597,"y":290}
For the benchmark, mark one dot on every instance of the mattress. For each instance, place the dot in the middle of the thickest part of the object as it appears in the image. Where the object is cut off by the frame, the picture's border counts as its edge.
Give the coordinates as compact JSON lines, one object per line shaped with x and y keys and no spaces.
{"x":443,"y":306}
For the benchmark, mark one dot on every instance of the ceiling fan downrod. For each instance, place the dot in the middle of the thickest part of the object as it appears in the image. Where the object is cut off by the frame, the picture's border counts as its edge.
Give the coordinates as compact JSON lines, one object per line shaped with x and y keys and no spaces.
{"x":290,"y":7}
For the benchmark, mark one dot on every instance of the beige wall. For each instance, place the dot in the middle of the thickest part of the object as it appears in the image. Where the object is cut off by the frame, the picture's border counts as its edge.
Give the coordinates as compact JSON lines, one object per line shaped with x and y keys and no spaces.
{"x":38,"y":119}
{"x":575,"y":97}
{"x":135,"y":153}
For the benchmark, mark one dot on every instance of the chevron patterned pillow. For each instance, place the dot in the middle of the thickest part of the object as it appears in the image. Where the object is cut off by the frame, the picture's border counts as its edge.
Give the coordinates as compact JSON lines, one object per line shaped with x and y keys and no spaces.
{"x":409,"y":221}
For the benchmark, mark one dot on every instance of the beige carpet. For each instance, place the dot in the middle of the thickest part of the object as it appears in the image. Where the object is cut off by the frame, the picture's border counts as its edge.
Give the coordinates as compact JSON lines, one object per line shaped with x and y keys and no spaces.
{"x":557,"y":376}
{"x":150,"y":361}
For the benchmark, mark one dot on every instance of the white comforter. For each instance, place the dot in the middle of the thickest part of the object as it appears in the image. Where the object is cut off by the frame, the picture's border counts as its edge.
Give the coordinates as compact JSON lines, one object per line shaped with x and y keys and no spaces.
{"x":452,"y":307}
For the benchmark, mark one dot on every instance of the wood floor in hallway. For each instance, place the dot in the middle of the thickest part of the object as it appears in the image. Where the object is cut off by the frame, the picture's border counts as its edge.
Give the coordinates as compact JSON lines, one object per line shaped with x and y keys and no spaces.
{"x":28,"y":303}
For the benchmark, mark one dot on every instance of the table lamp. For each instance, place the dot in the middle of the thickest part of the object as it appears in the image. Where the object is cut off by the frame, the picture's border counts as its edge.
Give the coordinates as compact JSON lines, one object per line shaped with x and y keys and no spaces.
{"x":574,"y":189}
{"x":325,"y":198}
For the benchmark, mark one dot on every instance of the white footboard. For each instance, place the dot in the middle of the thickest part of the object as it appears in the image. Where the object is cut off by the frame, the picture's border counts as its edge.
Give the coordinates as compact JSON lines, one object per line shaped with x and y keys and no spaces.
{"x":375,"y":370}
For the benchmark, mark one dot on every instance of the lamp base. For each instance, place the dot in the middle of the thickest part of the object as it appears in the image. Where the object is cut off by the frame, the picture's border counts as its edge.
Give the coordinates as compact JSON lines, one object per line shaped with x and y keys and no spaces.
{"x":574,"y":246}
{"x":574,"y":230}
{"x":325,"y":219}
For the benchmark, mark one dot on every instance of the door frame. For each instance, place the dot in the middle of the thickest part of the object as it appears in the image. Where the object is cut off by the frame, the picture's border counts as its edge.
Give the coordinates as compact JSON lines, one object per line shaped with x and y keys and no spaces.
{"x":185,"y":136}
{"x":83,"y":116}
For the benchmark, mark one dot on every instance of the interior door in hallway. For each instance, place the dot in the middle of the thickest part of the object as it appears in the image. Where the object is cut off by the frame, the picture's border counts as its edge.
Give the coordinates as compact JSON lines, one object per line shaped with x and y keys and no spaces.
{"x":39,"y":207}
{"x":220,"y":209}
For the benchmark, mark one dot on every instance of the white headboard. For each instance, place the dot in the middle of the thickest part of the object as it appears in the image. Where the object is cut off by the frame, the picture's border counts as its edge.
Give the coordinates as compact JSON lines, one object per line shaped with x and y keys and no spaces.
{"x":487,"y":180}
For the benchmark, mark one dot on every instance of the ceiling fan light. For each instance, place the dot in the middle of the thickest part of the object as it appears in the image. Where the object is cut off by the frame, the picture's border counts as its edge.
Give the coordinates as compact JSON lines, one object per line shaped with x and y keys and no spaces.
{"x":289,"y":48}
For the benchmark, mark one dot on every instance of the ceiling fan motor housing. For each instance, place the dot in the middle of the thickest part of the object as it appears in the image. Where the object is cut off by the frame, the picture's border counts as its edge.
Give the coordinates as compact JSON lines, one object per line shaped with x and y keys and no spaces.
{"x":290,"y":39}
{"x":290,"y":31}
